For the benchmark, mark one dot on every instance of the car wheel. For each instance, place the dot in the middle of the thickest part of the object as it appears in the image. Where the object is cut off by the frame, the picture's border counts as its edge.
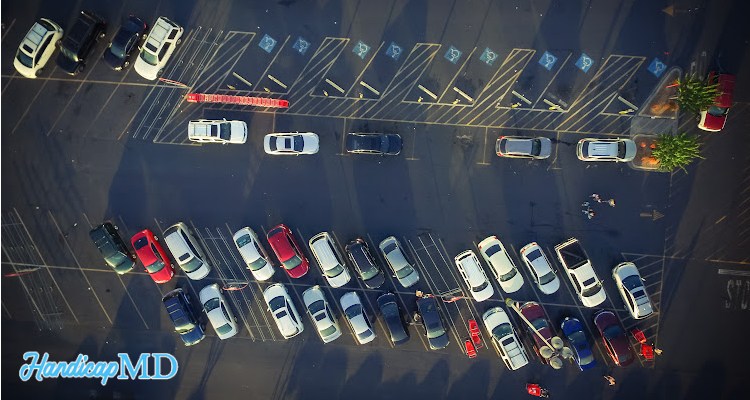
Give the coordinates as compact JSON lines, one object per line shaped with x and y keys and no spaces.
{"x":39,"y":71}
{"x":58,"y":43}
{"x":160,"y":72}
{"x":178,"y":41}
{"x":103,"y":34}
{"x":80,"y":68}
{"x":126,"y":64}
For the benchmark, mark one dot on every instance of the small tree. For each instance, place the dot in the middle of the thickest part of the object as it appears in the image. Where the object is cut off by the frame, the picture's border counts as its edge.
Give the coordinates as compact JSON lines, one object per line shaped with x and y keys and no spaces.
{"x":695,"y":94}
{"x":676,"y":151}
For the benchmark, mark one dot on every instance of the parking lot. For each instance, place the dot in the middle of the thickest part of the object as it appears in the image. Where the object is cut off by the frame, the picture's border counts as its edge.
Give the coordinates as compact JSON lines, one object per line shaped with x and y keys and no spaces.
{"x":110,"y":145}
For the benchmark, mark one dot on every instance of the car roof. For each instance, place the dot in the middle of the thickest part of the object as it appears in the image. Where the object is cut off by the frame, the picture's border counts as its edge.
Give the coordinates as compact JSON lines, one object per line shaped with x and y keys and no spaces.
{"x":281,"y":245}
{"x":518,"y":145}
{"x":33,"y":38}
{"x":473,"y":271}
{"x":726,"y":86}
{"x":602,"y":149}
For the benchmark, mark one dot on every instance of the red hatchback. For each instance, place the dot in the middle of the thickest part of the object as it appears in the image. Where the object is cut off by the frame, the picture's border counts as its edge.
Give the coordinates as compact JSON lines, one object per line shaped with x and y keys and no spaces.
{"x":153,"y":256}
{"x":715,"y":117}
{"x":615,"y":340}
{"x":288,"y":251}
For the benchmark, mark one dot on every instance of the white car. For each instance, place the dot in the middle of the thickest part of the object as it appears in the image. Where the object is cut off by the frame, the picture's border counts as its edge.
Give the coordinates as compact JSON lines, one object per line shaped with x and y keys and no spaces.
{"x":219,"y":313}
{"x":217,"y":131}
{"x":581,"y":273}
{"x":253,"y":254}
{"x":501,"y":264}
{"x":505,"y":338}
{"x":284,"y":313}
{"x":619,"y":150}
{"x":540,"y":268}
{"x":320,"y":313}
{"x":355,"y":316}
{"x":630,"y":285}
{"x":186,"y":251}
{"x":291,"y":143}
{"x":160,"y":44}
{"x":470,"y":269}
{"x":330,"y":261}
{"x":37,"y":47}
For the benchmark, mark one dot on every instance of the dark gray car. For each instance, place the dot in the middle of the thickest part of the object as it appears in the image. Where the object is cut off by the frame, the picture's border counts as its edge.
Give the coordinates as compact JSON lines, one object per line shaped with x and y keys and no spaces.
{"x":392,"y":316}
{"x":523,"y":147}
{"x":113,"y":248}
{"x":374,"y":143}
{"x":429,"y":311}
{"x":368,"y":270}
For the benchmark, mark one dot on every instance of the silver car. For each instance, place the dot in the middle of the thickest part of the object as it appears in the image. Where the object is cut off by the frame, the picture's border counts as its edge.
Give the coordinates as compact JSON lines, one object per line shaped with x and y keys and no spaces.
{"x":394,"y":255}
{"x":523,"y":147}
{"x":255,"y":256}
{"x":355,"y":316}
{"x":619,"y":150}
{"x":283,"y":310}
{"x":219,"y":313}
{"x":320,"y":313}
{"x":630,"y":285}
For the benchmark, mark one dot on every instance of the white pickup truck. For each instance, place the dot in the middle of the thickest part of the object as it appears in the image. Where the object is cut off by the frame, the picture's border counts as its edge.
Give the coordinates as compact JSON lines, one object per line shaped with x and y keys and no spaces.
{"x":217,"y":131}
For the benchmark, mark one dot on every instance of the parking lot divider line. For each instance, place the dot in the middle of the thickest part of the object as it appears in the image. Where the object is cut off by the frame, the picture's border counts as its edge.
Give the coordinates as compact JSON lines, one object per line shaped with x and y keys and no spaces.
{"x":202,"y":68}
{"x":265,"y":71}
{"x":551,"y":80}
{"x":242,"y":268}
{"x":367,"y":65}
{"x":6,"y":310}
{"x":449,"y":85}
{"x":93,"y":291}
{"x":217,"y":267}
{"x":78,"y":89}
{"x":7,"y":30}
{"x":29,"y":297}
{"x":328,"y":41}
{"x":30,"y":103}
{"x":387,"y":271}
{"x":44,"y":263}
{"x":220,"y":78}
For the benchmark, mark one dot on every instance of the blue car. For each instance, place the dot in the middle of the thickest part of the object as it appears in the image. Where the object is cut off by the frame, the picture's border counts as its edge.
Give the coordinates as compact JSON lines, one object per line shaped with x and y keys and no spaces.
{"x":573,"y":331}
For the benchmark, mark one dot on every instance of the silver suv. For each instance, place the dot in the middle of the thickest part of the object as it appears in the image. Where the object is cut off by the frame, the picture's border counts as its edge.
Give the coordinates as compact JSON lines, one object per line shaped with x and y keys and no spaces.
{"x":618,"y":150}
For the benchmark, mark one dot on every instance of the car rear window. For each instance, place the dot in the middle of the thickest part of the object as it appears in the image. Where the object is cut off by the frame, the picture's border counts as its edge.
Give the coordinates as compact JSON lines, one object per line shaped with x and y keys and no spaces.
{"x":224,"y":329}
{"x":534,"y":255}
{"x":328,"y":331}
{"x":492,"y":250}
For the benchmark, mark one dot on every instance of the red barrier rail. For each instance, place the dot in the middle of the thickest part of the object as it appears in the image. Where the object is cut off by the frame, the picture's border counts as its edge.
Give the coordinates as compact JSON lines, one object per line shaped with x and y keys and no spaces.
{"x":242,"y":100}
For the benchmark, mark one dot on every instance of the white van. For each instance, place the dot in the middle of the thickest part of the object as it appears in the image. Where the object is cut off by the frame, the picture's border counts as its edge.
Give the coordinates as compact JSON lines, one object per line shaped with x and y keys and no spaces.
{"x":324,"y":250}
{"x":186,"y":251}
{"x":217,"y":131}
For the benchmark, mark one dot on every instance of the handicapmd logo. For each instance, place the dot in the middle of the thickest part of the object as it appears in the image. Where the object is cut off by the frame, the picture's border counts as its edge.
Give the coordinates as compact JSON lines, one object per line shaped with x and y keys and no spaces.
{"x":82,"y":368}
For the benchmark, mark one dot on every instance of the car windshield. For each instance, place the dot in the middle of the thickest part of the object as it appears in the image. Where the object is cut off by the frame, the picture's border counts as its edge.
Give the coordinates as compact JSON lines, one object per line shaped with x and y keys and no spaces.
{"x":328,"y":331}
{"x":257,"y":264}
{"x":613,"y":331}
{"x":224,"y":329}
{"x":536,"y":147}
{"x":316,"y":307}
{"x":435,"y":329}
{"x":577,"y":337}
{"x":492,"y":250}
{"x":353,"y":311}
{"x":149,"y":58}
{"x":277,"y":303}
{"x":481,"y":287}
{"x":299,"y":143}
{"x":365,"y":334}
{"x":116,"y":258}
{"x":155,"y":267}
{"x":389,"y":309}
{"x":211,"y":304}
{"x":243,"y":240}
{"x":292,"y":263}
{"x":592,"y":290}
{"x":621,"y":149}
{"x":404,"y":272}
{"x":539,"y":324}
{"x":335,"y":271}
{"x":502,"y":331}
{"x":632,"y":282}
{"x":368,"y":270}
{"x":225,"y":130}
{"x":192,"y":265}
{"x":24,"y":59}
{"x":547,"y":278}
{"x":717,"y":111}
{"x":507,"y":276}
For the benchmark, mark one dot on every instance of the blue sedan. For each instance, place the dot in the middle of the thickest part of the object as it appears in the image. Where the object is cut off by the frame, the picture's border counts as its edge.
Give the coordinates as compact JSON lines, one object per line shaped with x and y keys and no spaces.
{"x":573,"y":331}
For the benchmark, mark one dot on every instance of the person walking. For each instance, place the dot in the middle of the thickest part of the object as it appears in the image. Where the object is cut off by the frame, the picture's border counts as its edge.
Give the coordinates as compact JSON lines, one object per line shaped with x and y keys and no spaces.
{"x":610,"y":379}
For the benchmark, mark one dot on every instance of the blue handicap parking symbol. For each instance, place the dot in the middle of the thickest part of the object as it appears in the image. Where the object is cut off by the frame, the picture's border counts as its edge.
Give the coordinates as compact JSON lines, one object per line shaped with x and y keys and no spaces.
{"x":547,"y":60}
{"x":394,"y":51}
{"x":584,"y":63}
{"x":361,"y":49}
{"x":267,"y":43}
{"x":301,"y":45}
{"x":657,"y":67}
{"x":453,"y":55}
{"x":488,"y":56}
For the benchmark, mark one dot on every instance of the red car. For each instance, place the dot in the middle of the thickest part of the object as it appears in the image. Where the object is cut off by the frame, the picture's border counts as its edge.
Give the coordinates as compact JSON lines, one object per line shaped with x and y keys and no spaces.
{"x":715,"y":117}
{"x":533,"y":312}
{"x":288,"y":251}
{"x":615,"y":340}
{"x":153,"y":256}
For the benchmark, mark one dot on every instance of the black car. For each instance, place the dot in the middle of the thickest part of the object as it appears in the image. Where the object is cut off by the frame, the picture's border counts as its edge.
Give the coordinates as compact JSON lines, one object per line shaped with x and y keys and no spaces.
{"x":392,"y":316}
{"x":113,"y":248}
{"x":186,"y":321}
{"x":368,"y":270}
{"x":126,"y":40}
{"x":373,"y":143}
{"x":79,"y":42}
{"x":431,"y":317}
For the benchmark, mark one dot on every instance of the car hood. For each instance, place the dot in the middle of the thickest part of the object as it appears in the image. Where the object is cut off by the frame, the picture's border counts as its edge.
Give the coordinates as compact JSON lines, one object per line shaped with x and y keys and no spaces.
{"x":712,"y":122}
{"x":311,"y":144}
{"x":239,"y":132}
{"x":193,"y":336}
{"x":112,"y":60}
{"x":726,"y":87}
{"x":66,"y":64}
{"x":394,"y":144}
{"x":439,"y":342}
{"x":145,"y":69}
{"x":216,"y":316}
{"x":376,"y":281}
{"x":286,"y":326}
{"x":545,"y":148}
{"x":410,"y":279}
{"x":630,"y":149}
{"x":493,"y":319}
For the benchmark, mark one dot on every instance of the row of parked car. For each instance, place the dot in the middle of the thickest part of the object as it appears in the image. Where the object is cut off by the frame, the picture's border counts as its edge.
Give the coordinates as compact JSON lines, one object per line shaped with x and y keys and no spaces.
{"x":154,"y":47}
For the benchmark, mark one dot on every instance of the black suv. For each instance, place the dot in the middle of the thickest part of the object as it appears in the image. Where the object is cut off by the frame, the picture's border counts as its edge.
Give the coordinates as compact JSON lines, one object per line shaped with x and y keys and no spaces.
{"x":79,"y":42}
{"x":113,"y":248}
{"x":186,"y":322}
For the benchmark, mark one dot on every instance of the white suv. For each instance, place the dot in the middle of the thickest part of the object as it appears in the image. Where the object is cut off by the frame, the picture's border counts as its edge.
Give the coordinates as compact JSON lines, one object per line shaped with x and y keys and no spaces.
{"x":217,"y":131}
{"x":469,"y":267}
{"x":160,"y":44}
{"x":504,"y":338}
{"x":330,"y":261}
{"x":578,"y":267}
{"x":37,"y":47}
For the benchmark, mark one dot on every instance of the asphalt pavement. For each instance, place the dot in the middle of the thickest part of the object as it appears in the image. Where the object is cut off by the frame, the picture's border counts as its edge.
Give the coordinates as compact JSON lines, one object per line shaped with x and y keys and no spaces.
{"x":450,"y":77}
